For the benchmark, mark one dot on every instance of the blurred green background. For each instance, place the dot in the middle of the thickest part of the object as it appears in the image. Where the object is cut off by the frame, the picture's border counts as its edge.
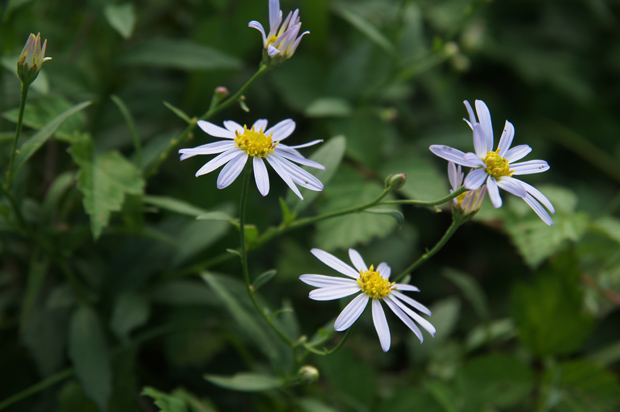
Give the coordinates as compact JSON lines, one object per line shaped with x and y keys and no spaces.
{"x":527,"y":316}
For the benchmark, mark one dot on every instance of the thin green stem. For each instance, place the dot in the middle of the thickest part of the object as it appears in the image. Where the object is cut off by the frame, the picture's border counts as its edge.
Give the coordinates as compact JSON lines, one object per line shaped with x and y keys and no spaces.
{"x":326,"y":352}
{"x":457,"y":220}
{"x":244,"y":256}
{"x":18,"y":130}
{"x":18,"y":213}
{"x":132,"y":128}
{"x":52,"y":380}
{"x":444,"y":199}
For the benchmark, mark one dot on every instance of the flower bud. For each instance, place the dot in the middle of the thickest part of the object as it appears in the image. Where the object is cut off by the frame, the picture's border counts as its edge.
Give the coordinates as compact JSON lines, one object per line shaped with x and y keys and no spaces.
{"x":308,"y":374}
{"x":32,"y":58}
{"x":396,"y":181}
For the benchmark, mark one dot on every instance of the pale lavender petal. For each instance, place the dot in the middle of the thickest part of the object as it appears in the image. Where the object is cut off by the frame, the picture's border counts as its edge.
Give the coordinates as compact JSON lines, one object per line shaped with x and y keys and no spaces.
{"x":468,"y":124}
{"x":209,"y":148}
{"x":274,"y":11}
{"x":455,"y":175}
{"x":322,"y":281}
{"x":402,"y":316}
{"x":260,"y":125}
{"x":480,"y":141}
{"x":473,"y":160}
{"x":292,"y":48}
{"x":281,"y":130}
{"x":272,"y":51}
{"x":475,"y":179}
{"x":381,"y":325}
{"x":335,"y":263}
{"x":419,"y":319}
{"x":256,"y":25}
{"x":285,"y":24}
{"x":417,"y":305}
{"x":512,"y":186}
{"x":450,"y":154}
{"x":231,"y":171}
{"x":470,"y":111}
{"x":351,"y":312}
{"x":494,"y":192}
{"x":233,"y":126}
{"x":484,"y":117}
{"x":529,"y":167}
{"x":219,"y":160}
{"x":214,"y":130}
{"x":538,"y":209}
{"x":281,"y":171}
{"x":506,"y":140}
{"x":333,"y":292}
{"x":261,"y":177}
{"x":298,"y":159}
{"x":517,"y":153}
{"x":539,"y":196}
{"x":299,"y":175}
{"x":357,"y":260}
{"x":406,"y":287}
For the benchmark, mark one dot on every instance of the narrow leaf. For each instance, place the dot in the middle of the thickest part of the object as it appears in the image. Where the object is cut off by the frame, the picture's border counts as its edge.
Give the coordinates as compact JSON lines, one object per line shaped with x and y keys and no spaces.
{"x":368,"y":30}
{"x":263,"y":278}
{"x":174,"y":205}
{"x":122,"y":107}
{"x":471,"y":290}
{"x":247,"y":382}
{"x":178,"y":112}
{"x":165,"y":402}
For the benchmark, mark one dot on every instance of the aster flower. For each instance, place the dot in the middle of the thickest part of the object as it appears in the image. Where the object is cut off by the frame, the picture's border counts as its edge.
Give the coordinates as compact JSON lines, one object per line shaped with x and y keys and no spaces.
{"x":31,"y":59}
{"x":369,"y":284}
{"x":260,"y":145}
{"x":282,"y":42}
{"x":495,"y":169}
{"x":470,"y":201}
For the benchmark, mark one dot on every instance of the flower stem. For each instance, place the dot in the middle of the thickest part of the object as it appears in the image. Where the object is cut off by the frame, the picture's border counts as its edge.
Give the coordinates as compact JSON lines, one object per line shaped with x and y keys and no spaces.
{"x":20,"y":119}
{"x":457,"y":220}
{"x":326,"y":352}
{"x":444,"y":199}
{"x":52,"y":380}
{"x":244,"y":256}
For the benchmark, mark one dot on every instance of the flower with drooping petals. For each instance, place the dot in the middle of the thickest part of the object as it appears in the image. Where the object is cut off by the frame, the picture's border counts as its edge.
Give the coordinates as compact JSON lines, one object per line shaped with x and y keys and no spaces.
{"x":495,"y":168}
{"x":281,"y":44}
{"x":31,"y":59}
{"x":259,"y":144}
{"x":470,"y":201}
{"x":369,"y":284}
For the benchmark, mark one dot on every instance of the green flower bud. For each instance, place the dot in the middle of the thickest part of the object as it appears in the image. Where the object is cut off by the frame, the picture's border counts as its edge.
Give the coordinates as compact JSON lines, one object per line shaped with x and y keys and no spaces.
{"x":396,"y":181}
{"x":308,"y":374}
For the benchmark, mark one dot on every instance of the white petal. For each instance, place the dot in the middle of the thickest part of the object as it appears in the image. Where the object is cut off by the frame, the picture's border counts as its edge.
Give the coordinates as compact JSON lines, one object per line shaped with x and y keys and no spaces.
{"x":209,"y":148}
{"x":529,"y":167}
{"x":214,"y":130}
{"x":473,"y":160}
{"x":540,"y":211}
{"x":299,"y":175}
{"x":281,"y":171}
{"x":538,"y":195}
{"x":419,"y":319}
{"x":260,"y":125}
{"x":403,"y":317}
{"x":351,"y":312}
{"x":484,"y":117}
{"x":272,"y":51}
{"x":512,"y":186}
{"x":480,"y":141}
{"x":274,"y":11}
{"x":406,"y":287}
{"x":281,"y":130}
{"x":381,"y":325}
{"x":292,"y":48}
{"x":449,"y":153}
{"x":517,"y":153}
{"x":357,"y":260}
{"x":322,"y":281}
{"x":232,"y":169}
{"x":299,"y":159}
{"x":261,"y":177}
{"x":506,"y":140}
{"x":256,"y":25}
{"x":470,"y":111}
{"x":455,"y":175}
{"x":417,"y":305}
{"x":384,"y":270}
{"x":333,"y":292}
{"x":335,"y":263}
{"x":218,"y":161}
{"x":299,"y":146}
{"x":475,"y":179}
{"x":233,"y":126}
{"x":494,"y":192}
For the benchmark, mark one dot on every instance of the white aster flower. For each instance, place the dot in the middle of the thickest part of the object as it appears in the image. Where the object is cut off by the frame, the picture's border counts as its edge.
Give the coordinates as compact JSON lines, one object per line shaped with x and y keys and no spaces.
{"x":495,"y":169}
{"x":281,"y":42}
{"x":259,"y":144}
{"x":470,"y":201}
{"x":369,"y":284}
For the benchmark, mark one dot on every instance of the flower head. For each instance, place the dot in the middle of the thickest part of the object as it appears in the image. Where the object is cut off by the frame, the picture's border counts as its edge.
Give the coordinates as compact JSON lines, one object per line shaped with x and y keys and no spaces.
{"x":495,"y":168}
{"x":280,"y":45}
{"x":369,"y":284}
{"x":260,"y":144}
{"x":470,"y":201}
{"x":32,"y":58}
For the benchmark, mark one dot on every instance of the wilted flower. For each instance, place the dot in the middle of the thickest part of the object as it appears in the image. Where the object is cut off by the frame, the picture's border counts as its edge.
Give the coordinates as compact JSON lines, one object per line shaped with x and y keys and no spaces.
{"x":258,"y":144}
{"x":32,"y":58}
{"x":279,"y":45}
{"x":470,"y":201}
{"x":495,"y":168}
{"x":368,"y":283}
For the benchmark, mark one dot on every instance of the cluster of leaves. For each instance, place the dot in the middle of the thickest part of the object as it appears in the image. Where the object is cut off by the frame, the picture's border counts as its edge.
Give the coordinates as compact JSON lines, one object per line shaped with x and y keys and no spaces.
{"x":116,"y":283}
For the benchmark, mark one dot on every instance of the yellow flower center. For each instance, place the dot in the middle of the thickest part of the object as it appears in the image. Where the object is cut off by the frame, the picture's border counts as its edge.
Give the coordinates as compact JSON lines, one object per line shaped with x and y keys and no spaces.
{"x":497,"y":166}
{"x":374,"y":285}
{"x":255,"y":143}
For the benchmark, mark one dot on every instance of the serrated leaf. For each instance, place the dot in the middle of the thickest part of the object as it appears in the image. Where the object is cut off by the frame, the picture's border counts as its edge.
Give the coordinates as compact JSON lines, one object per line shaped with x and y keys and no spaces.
{"x":179,"y":54}
{"x":89,"y":354}
{"x":263,"y":278}
{"x":122,"y":18}
{"x":104,"y":180}
{"x":329,"y":107}
{"x":165,"y":402}
{"x":245,"y":382}
{"x":130,"y":311}
{"x":178,"y":112}
{"x":397,"y":215}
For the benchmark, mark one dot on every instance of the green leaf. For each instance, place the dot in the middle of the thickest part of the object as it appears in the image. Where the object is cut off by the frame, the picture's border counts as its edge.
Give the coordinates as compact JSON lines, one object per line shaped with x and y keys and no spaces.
{"x":494,"y":380}
{"x":183,"y":292}
{"x":263,"y":279}
{"x":329,"y":107}
{"x":165,"y":402}
{"x":179,"y":54}
{"x":131,"y":124}
{"x":548,"y":313}
{"x":71,"y":398}
{"x":314,"y":405}
{"x":197,"y":236}
{"x":122,"y":18}
{"x":245,"y":382}
{"x":397,"y":215}
{"x":368,"y":30}
{"x":471,"y":290}
{"x":329,"y":155}
{"x":445,"y":315}
{"x":104,"y":180}
{"x":607,"y":355}
{"x":218,"y":216}
{"x":44,"y":333}
{"x":89,"y":354}
{"x":352,"y":377}
{"x":37,"y":270}
{"x":130,"y":311}
{"x":29,"y":147}
{"x":174,"y":205}
{"x":500,"y":330}
{"x":403,"y":401}
{"x":178,"y":112}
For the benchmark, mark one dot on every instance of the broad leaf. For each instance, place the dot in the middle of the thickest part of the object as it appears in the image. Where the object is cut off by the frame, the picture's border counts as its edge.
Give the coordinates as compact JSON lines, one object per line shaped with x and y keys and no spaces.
{"x":122,"y":17}
{"x":131,"y":310}
{"x":165,"y":402}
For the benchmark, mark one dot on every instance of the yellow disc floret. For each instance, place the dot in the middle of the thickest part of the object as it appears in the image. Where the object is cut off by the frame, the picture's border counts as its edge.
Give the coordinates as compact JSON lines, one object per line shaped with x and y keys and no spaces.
{"x":497,"y":166}
{"x":375,"y":285}
{"x":255,"y":143}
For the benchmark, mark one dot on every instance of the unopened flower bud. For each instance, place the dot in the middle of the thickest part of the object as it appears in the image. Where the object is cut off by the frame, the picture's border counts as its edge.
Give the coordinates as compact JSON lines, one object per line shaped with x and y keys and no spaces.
{"x":221,"y":91}
{"x":32,"y":58}
{"x":396,"y":181}
{"x":308,"y":374}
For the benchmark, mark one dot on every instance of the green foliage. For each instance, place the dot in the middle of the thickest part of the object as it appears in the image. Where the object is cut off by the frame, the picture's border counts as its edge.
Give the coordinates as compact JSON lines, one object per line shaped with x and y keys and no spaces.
{"x":122,"y":17}
{"x":245,"y":382}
